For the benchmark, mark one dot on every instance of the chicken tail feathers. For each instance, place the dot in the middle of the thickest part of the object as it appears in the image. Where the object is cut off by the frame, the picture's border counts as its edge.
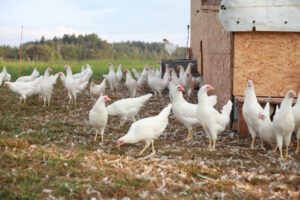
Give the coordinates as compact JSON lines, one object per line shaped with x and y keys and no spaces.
{"x":226,"y":110}
{"x":213,"y":100}
{"x":166,"y":111}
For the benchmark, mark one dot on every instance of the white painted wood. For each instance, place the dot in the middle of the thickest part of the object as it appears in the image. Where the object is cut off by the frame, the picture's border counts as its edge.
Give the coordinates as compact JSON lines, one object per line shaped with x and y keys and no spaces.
{"x":264,"y":15}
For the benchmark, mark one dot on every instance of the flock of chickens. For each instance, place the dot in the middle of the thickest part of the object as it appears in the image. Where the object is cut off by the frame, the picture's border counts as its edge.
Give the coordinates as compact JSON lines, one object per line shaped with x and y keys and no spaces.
{"x":285,"y":121}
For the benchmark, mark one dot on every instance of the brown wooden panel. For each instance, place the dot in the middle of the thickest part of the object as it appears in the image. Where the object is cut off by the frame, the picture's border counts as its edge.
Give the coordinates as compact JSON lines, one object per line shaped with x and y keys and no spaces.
{"x":217,"y":71}
{"x":195,"y":27}
{"x":270,"y":59}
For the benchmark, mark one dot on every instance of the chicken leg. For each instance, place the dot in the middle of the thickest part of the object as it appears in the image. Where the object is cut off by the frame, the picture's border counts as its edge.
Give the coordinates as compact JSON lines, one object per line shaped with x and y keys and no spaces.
{"x":214,"y":146}
{"x":133,"y":119}
{"x":287,"y":152}
{"x":146,"y":146}
{"x":275,"y":149}
{"x":153,"y":150}
{"x":298,"y":144}
{"x":96,"y":135}
{"x":20,"y":100}
{"x":252,"y":144}
{"x":24,"y":101}
{"x":282,"y":158}
{"x":122,"y":122}
{"x":102,"y":134}
{"x":262,"y":143}
{"x":209,"y":146}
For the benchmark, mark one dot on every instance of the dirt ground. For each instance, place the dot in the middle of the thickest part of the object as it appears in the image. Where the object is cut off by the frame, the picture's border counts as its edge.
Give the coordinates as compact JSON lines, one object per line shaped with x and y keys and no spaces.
{"x":49,"y":153}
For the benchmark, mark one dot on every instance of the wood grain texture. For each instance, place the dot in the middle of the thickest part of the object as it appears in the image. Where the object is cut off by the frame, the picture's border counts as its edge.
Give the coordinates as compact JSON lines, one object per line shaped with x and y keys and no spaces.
{"x":264,"y":15}
{"x":217,"y":50}
{"x":270,"y":59}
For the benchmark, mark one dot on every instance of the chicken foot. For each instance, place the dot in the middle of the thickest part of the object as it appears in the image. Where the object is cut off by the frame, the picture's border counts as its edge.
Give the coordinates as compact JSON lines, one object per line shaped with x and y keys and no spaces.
{"x":275,"y":149}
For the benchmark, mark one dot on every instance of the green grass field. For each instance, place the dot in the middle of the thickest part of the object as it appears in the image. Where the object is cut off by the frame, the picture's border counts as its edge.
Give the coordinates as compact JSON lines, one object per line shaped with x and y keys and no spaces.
{"x":99,"y":67}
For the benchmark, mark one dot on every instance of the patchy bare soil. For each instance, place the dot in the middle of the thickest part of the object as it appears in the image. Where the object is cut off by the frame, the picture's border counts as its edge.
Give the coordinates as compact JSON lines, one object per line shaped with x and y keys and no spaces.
{"x":49,"y":153}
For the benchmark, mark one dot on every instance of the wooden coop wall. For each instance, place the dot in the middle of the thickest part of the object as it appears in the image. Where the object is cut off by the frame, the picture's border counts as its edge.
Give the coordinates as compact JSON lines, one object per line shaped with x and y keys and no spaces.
{"x":270,"y":59}
{"x":215,"y":58}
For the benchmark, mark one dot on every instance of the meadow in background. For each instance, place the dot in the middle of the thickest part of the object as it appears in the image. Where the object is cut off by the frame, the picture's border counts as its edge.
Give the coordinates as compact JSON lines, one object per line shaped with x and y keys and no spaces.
{"x":99,"y":67}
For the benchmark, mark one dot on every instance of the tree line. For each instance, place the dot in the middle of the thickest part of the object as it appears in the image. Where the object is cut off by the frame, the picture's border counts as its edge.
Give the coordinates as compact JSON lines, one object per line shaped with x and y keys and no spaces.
{"x":88,"y":47}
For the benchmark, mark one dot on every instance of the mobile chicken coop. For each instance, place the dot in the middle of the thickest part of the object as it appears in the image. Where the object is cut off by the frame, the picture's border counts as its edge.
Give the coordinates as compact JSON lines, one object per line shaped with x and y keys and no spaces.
{"x":238,"y":40}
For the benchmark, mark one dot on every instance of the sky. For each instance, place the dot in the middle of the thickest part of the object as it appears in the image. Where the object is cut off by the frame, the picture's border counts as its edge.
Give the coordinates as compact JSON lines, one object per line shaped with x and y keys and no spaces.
{"x":112,"y":20}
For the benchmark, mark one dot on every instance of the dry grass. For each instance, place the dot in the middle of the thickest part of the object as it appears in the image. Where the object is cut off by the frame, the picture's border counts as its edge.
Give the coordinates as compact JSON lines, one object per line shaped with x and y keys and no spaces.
{"x":50,"y":153}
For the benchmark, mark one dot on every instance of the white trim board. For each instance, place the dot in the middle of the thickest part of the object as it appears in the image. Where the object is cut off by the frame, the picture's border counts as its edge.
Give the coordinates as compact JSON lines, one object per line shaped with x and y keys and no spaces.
{"x":264,"y":15}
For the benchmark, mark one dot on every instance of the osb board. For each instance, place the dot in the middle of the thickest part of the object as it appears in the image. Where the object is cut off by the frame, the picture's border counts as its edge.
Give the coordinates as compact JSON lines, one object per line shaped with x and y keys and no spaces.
{"x":270,"y":59}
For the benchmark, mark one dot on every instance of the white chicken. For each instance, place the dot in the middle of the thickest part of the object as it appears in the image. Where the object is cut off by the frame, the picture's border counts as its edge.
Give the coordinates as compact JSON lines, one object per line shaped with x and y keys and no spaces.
{"x":187,"y":78}
{"x":174,"y":76}
{"x":189,"y":84}
{"x":78,"y":75}
{"x":159,"y":71}
{"x":251,"y":109}
{"x":142,"y":80}
{"x":266,"y":131}
{"x":181,"y":74}
{"x":136,"y":73}
{"x":210,"y":119}
{"x":127,"y":108}
{"x":296,"y":112}
{"x":170,"y":48}
{"x":74,"y":86}
{"x":147,"y":129}
{"x":53,"y":78}
{"x":284,"y":123}
{"x":23,"y":89}
{"x":156,"y":84}
{"x":130,"y":83}
{"x":98,"y":116}
{"x":46,"y":87}
{"x":33,"y":75}
{"x":97,"y":90}
{"x":4,"y":75}
{"x":186,"y":112}
{"x":112,"y":78}
{"x":119,"y":73}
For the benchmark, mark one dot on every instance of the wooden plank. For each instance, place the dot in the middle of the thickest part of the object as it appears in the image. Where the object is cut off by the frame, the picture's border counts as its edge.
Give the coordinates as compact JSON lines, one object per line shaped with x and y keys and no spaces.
{"x":195,"y":27}
{"x":270,"y":59}
{"x":264,"y":100}
{"x":217,"y":71}
{"x":263,"y":15}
